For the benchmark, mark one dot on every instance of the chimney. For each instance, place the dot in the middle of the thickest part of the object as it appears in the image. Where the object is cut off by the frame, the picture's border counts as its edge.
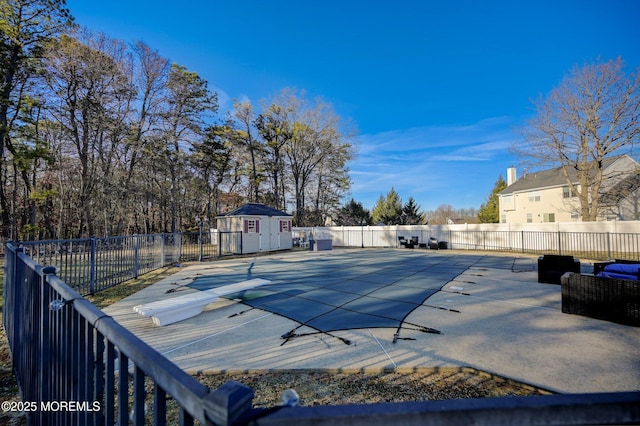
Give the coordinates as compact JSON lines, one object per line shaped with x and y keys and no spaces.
{"x":511,"y":176}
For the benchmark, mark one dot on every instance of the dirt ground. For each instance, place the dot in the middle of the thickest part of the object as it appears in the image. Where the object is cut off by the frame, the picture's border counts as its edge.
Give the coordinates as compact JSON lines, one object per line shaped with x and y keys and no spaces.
{"x":328,"y":388}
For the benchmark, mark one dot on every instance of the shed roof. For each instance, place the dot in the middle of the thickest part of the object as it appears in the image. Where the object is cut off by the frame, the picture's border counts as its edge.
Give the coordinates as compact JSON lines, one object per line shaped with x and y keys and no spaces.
{"x":255,"y":209}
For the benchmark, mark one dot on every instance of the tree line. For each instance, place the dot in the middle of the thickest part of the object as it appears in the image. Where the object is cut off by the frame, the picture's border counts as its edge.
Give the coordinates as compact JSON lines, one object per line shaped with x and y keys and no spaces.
{"x":101,"y":137}
{"x":391,"y":210}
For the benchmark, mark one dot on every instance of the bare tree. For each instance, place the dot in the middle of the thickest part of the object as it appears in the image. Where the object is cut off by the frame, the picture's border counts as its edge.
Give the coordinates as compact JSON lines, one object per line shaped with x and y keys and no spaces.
{"x":593,"y":114}
{"x":315,"y":139}
{"x":274,"y":126}
{"x":188,"y":103}
{"x":445,"y":213}
{"x":150,"y":76}
{"x":306,"y":155}
{"x":91,"y":91}
{"x":243,"y":137}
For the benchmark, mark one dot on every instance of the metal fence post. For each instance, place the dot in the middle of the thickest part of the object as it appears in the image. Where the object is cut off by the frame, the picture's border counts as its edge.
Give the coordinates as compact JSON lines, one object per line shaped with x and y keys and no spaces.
{"x":162,"y":263}
{"x":92,"y":266}
{"x":45,"y":333}
{"x":136,"y":256}
{"x":559,"y":243}
{"x":200,"y":240}
{"x":228,"y":403}
{"x":12,"y":316}
{"x":609,"y":245}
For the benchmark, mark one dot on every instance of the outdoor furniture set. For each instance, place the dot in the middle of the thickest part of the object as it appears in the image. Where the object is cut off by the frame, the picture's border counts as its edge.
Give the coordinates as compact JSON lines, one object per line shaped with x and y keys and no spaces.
{"x":433,"y":243}
{"x":611,"y":293}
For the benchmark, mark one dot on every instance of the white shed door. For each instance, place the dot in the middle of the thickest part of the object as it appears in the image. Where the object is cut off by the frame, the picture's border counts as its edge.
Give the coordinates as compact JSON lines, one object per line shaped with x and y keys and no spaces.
{"x":274,"y":229}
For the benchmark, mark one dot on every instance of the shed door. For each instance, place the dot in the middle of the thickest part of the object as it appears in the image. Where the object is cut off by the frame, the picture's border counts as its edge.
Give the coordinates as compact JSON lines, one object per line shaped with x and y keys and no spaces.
{"x":262,"y":244}
{"x":275,"y":232}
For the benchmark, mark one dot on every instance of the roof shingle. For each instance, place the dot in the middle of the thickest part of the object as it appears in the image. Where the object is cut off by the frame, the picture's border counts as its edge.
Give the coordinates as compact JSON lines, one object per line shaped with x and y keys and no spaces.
{"x":255,"y":209}
{"x":547,"y":178}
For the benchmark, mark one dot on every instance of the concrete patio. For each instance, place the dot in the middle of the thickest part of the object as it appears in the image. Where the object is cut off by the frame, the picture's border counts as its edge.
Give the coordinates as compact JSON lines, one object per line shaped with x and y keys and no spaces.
{"x":493,"y":316}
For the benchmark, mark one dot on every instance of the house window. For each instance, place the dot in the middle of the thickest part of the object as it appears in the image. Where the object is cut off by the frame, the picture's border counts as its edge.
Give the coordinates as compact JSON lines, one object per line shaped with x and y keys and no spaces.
{"x":549,"y":217}
{"x":503,"y":218}
{"x":575,"y":215}
{"x":529,"y":218}
{"x":534,"y":196}
{"x":567,"y":192}
{"x":251,"y":226}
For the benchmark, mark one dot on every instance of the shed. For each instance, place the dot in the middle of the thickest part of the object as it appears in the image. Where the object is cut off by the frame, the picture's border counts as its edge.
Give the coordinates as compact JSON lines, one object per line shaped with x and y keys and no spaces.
{"x":263,"y":228}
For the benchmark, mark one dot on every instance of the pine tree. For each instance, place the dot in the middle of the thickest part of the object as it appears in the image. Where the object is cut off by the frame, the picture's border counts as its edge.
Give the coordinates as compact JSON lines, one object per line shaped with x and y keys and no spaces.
{"x":411,"y":213}
{"x":353,"y":213}
{"x":489,"y":211}
{"x":388,"y":210}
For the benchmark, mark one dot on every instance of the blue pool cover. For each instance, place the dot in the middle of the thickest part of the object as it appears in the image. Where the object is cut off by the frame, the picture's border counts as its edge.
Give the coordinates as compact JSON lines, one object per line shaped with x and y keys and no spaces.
{"x":352,"y":290}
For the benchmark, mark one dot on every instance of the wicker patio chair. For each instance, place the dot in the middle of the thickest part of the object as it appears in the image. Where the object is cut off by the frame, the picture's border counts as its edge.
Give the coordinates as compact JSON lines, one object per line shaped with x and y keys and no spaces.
{"x":552,"y":266}
{"x":609,"y":299}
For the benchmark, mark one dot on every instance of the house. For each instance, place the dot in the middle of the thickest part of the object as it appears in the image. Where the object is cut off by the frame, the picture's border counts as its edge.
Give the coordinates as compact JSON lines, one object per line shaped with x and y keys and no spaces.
{"x":545,"y":196}
{"x":263,"y":228}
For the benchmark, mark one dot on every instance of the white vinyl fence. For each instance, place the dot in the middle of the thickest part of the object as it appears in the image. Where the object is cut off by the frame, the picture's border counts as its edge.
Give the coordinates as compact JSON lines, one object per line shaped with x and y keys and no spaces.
{"x":594,"y":240}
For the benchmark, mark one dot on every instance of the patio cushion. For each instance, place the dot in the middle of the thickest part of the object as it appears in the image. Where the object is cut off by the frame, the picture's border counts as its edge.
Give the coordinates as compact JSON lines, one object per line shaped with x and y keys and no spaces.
{"x":625,"y":271}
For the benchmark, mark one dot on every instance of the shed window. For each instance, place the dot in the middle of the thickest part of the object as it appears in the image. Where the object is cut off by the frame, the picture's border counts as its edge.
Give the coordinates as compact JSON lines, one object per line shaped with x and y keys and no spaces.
{"x":251,"y":226}
{"x":285,"y":226}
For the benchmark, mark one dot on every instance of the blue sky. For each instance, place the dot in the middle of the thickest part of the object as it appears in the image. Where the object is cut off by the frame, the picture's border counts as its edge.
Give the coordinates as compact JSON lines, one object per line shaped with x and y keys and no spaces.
{"x":436,"y":89}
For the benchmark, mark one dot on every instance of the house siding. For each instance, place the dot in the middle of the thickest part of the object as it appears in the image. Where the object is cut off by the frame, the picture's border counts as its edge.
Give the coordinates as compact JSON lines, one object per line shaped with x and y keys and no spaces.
{"x":514,"y":208}
{"x":524,"y":202}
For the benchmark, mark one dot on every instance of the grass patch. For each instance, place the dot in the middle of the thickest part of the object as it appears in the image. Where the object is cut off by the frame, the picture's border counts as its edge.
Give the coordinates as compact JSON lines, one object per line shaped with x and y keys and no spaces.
{"x":112,"y":295}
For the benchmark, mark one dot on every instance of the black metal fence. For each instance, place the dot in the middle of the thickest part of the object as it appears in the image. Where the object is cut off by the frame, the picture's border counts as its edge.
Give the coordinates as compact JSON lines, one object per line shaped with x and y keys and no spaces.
{"x":586,"y":245}
{"x":92,"y":264}
{"x":75,"y":365}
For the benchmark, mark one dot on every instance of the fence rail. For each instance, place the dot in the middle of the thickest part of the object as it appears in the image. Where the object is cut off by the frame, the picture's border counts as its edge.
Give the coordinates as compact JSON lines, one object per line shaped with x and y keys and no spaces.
{"x":75,"y":365}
